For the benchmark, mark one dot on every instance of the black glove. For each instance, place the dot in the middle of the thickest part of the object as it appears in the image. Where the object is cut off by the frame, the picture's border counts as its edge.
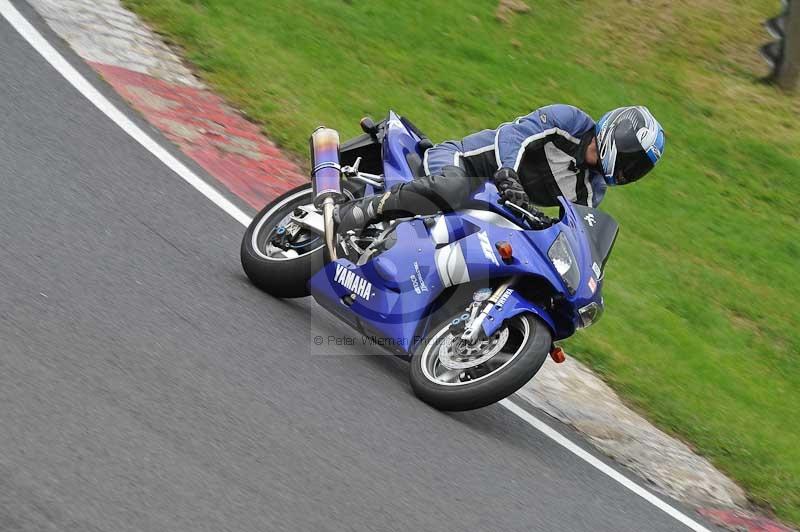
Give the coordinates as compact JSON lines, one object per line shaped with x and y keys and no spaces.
{"x":510,"y":189}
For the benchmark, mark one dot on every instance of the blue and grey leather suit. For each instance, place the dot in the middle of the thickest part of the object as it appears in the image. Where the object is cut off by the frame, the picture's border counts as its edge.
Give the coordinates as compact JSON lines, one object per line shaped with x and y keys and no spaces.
{"x":546,"y":148}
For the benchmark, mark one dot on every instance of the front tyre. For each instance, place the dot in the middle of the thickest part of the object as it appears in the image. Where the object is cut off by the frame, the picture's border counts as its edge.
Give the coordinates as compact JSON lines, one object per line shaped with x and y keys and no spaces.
{"x":450,"y":374}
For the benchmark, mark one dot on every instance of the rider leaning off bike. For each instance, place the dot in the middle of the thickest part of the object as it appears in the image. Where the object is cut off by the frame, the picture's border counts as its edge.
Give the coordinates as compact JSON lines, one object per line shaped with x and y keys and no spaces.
{"x":557,"y":150}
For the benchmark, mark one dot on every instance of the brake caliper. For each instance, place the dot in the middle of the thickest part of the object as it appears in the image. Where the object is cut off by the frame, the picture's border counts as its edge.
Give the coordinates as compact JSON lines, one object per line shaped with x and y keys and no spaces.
{"x":285,"y":234}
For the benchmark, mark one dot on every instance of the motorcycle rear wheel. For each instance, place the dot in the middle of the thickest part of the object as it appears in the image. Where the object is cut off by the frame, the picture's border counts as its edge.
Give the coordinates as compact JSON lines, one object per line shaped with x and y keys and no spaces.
{"x":278,"y":272}
{"x":521,"y":346}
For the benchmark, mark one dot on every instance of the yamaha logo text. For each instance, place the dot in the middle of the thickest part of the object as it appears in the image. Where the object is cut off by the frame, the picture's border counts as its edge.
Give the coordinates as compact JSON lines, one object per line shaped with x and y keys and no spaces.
{"x":355,"y":283}
{"x":504,"y":298}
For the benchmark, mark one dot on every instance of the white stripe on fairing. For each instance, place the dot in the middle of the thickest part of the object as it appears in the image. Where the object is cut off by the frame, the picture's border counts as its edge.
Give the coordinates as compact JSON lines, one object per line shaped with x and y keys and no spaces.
{"x":491,"y":218}
{"x":439,"y":232}
{"x":40,"y":44}
{"x":440,"y":257}
{"x":457,"y":265}
{"x":451,"y":265}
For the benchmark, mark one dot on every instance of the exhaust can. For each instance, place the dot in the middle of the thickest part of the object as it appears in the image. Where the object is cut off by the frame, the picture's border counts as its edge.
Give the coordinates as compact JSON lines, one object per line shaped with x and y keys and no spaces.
{"x":326,"y":170}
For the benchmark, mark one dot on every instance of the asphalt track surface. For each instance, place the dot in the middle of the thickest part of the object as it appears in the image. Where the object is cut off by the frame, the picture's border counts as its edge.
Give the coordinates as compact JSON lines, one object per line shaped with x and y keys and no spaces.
{"x":145,"y":385}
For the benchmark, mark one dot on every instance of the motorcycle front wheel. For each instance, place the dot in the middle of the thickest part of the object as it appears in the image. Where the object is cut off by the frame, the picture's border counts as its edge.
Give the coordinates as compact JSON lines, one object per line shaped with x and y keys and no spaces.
{"x":450,"y":374}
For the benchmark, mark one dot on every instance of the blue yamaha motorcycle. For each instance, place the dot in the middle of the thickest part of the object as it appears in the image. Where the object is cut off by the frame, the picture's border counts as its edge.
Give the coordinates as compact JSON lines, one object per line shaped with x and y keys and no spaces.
{"x":475,"y":299}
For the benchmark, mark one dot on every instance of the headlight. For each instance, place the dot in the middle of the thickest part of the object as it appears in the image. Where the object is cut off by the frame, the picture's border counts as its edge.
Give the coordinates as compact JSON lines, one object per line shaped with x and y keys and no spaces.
{"x":564,"y":260}
{"x":590,"y":314}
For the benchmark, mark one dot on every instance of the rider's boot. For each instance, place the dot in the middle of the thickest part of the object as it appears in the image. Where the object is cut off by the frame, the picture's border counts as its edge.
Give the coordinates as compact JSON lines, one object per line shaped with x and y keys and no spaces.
{"x":424,"y":195}
{"x":358,"y":214}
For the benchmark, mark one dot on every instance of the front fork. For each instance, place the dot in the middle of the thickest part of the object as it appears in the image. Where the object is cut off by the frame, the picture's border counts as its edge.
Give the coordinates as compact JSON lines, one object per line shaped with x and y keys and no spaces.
{"x":505,"y":303}
{"x":475,"y":325}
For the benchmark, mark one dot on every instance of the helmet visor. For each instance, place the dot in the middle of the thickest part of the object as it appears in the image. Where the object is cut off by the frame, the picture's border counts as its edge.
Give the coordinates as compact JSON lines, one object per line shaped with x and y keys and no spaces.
{"x":632,"y":161}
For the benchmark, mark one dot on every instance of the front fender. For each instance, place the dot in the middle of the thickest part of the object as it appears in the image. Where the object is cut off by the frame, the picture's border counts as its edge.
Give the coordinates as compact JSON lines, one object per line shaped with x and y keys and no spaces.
{"x":509,"y":305}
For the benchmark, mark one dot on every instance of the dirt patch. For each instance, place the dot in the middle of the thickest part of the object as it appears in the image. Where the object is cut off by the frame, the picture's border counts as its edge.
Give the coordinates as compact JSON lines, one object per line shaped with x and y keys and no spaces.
{"x":506,"y":9}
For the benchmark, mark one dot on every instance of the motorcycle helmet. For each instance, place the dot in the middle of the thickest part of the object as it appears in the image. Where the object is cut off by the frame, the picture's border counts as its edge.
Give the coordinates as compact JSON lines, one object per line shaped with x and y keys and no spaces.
{"x":630,"y":142}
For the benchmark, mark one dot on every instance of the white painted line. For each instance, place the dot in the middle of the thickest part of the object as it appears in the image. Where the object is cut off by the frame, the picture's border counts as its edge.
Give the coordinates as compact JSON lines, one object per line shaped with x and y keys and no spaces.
{"x":601,"y":466}
{"x":51,"y":55}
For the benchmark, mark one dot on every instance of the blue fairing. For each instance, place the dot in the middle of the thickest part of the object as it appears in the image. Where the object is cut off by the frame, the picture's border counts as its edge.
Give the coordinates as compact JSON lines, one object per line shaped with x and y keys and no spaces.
{"x":394,"y":295}
{"x":513,"y":305}
{"x":399,"y":142}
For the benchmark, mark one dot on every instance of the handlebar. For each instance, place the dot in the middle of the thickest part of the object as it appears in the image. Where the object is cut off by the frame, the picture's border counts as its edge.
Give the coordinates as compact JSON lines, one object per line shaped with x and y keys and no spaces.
{"x":538,"y":219}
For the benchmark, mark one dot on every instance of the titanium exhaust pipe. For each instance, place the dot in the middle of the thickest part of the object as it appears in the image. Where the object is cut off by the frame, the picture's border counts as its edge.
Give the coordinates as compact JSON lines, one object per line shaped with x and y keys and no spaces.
{"x":330,"y":238}
{"x":326,"y":174}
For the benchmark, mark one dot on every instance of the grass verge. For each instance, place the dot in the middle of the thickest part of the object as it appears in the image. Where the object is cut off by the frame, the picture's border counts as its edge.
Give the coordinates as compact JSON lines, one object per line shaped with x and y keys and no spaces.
{"x":701,"y":331}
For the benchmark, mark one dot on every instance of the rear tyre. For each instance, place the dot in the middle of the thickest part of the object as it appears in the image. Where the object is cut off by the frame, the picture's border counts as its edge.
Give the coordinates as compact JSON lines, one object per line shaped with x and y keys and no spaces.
{"x":455,"y":376}
{"x":279,"y":272}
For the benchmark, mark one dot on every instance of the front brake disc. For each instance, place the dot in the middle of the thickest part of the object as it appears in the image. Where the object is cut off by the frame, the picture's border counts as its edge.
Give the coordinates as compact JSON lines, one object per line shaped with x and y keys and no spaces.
{"x":457,"y":353}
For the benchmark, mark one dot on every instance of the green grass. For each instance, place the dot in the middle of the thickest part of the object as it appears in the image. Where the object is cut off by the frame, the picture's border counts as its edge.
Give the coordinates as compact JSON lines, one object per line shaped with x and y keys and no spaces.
{"x":701,"y":331}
